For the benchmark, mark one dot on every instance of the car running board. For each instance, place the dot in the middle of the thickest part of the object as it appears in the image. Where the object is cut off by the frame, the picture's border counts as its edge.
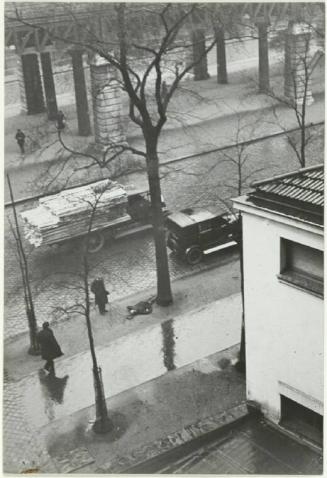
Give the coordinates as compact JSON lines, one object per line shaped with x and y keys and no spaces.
{"x":218,"y":248}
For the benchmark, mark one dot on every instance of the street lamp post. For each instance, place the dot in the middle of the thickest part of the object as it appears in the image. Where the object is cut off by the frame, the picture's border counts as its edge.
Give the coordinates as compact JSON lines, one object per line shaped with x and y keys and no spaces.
{"x":34,"y":348}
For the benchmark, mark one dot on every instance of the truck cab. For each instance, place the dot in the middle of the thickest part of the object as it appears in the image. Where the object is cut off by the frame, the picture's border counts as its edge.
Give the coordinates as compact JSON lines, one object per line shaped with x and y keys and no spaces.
{"x":139,"y":206}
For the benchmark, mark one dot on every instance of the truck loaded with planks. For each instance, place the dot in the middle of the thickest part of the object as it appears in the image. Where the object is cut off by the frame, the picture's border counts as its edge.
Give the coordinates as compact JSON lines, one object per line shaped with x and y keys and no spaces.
{"x":87,"y":211}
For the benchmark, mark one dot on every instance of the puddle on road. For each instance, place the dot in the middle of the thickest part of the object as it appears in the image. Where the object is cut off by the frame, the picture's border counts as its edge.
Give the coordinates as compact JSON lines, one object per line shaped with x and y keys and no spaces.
{"x":132,"y":360}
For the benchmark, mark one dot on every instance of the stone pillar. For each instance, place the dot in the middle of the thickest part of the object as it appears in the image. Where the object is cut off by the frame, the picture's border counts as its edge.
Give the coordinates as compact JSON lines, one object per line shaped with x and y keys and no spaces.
{"x":106,"y":95}
{"x":49,"y":87}
{"x":320,"y":32}
{"x":200,"y":60}
{"x":262,"y":26}
{"x":32,"y":84}
{"x":83,"y":118}
{"x":21,"y":83}
{"x":297,"y":75}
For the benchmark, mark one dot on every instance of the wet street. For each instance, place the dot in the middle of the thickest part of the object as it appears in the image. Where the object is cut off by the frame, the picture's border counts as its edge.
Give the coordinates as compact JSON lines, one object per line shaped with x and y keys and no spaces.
{"x":253,"y":447}
{"x":128,"y":266}
{"x":155,"y":350}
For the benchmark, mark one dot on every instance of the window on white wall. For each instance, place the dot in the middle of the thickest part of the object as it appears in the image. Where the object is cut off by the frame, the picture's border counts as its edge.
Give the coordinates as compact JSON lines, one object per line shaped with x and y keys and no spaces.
{"x":302,"y":266}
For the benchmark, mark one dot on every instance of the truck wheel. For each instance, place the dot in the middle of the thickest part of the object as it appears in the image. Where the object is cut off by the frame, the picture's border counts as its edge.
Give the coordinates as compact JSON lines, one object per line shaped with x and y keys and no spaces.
{"x":96,"y":241}
{"x":193,"y":255}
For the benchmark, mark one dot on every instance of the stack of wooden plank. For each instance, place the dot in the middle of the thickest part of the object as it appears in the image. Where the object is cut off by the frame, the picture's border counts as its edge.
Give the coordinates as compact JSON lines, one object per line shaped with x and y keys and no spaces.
{"x":74,"y":212}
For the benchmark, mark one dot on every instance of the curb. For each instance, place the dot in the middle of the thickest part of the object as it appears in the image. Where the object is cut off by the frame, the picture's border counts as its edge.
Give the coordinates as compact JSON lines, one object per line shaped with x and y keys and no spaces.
{"x":139,"y":295}
{"x":245,"y":143}
{"x":145,"y":459}
{"x":200,"y":122}
{"x":318,"y":95}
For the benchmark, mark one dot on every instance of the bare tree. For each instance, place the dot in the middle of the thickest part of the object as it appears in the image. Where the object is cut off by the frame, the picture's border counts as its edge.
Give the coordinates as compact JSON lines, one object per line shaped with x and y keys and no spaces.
{"x":134,"y":28}
{"x":79,"y":281}
{"x":299,"y":67}
{"x":102,"y":423}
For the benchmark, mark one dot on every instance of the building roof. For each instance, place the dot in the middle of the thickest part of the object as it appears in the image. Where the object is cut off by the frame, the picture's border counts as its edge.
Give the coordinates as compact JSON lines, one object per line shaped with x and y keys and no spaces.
{"x":299,"y":194}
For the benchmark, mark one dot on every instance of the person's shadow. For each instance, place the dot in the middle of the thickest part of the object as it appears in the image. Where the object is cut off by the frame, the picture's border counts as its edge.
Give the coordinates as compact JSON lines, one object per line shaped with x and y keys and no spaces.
{"x":53,"y":389}
{"x":53,"y":386}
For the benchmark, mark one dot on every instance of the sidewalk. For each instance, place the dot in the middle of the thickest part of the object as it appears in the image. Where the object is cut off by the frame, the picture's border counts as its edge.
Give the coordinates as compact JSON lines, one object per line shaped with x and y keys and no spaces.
{"x":152,"y":418}
{"x":193,"y":291}
{"x":147,"y":420}
{"x":152,"y":410}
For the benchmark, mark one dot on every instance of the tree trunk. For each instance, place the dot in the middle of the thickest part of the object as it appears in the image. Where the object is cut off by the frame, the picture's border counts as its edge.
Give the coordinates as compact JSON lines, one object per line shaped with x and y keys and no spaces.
{"x":102,"y":423}
{"x":263,"y":57}
{"x":200,"y":68}
{"x":221,"y":56}
{"x":302,"y":116}
{"x":164,"y":294}
{"x":303,"y":141}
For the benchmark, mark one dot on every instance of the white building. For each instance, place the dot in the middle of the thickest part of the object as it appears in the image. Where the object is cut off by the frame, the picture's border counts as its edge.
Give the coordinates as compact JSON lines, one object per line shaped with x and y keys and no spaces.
{"x":283,"y":298}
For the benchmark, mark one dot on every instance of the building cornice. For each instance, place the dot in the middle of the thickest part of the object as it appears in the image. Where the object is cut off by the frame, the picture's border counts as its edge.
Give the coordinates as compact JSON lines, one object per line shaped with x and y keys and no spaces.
{"x":242,"y":204}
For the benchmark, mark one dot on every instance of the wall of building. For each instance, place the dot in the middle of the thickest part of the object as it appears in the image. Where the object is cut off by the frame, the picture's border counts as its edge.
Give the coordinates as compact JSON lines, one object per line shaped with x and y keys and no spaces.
{"x":284,"y":325}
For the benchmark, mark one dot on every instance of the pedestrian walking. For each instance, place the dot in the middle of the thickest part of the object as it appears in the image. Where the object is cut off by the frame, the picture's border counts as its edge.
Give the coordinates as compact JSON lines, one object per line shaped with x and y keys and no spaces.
{"x":100,"y":294}
{"x":61,"y":121}
{"x":50,"y":348}
{"x":20,"y":138}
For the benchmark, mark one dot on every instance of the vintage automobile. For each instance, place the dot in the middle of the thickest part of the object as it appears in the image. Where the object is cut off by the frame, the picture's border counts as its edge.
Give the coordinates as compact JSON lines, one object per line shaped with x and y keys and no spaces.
{"x":193,"y":233}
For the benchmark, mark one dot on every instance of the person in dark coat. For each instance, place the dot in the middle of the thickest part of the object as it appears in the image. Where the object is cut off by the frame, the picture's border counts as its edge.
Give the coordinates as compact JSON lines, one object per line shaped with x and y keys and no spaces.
{"x":100,"y":294}
{"x":50,"y":348}
{"x":20,"y":138}
{"x":61,"y":122}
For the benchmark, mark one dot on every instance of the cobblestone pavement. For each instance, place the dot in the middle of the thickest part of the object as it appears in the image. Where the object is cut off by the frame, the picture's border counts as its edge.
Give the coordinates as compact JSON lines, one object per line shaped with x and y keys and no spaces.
{"x":23,"y":449}
{"x":128,"y":266}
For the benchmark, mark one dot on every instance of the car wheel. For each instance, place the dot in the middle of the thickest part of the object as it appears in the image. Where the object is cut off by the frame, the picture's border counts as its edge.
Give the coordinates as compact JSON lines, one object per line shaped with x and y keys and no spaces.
{"x":95,"y":242}
{"x":193,"y":255}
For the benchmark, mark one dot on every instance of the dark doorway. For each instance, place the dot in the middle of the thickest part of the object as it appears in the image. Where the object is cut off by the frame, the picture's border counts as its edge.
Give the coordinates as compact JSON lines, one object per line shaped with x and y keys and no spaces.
{"x":33,"y":85}
{"x":301,"y":420}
